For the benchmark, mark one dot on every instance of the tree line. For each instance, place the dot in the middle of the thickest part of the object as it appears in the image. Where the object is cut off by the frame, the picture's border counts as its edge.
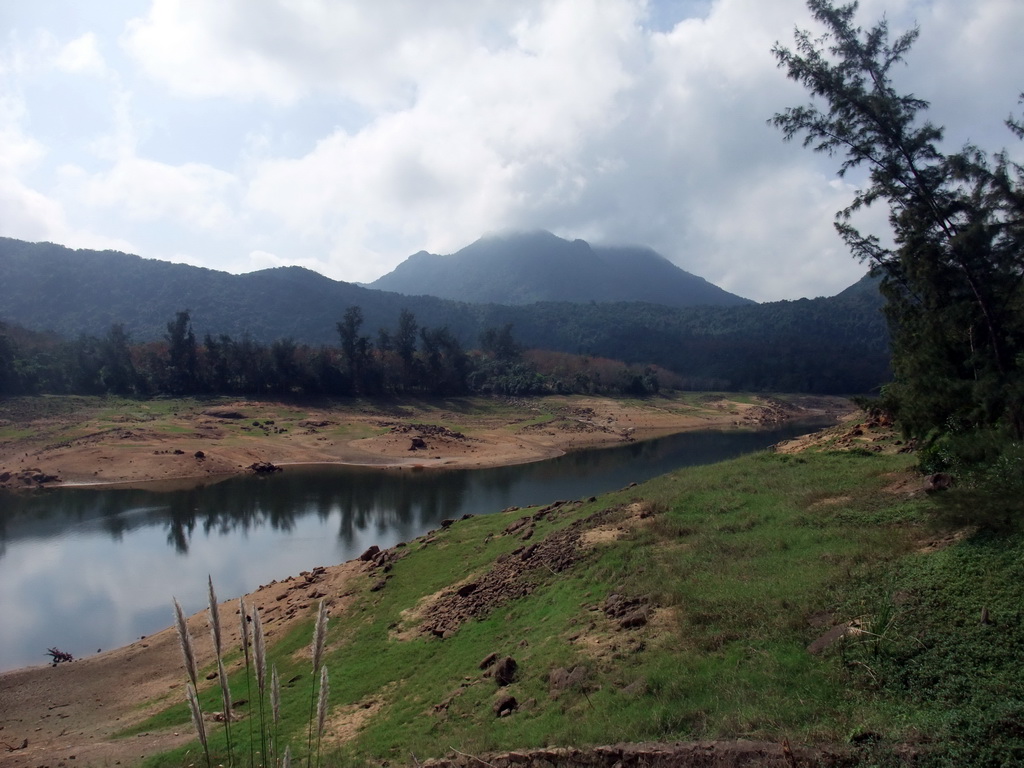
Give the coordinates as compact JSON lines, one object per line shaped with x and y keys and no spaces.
{"x":407,"y":359}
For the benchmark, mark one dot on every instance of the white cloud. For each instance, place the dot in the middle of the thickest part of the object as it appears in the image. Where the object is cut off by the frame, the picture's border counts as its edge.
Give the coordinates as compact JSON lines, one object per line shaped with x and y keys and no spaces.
{"x":344,"y":136}
{"x":192,"y":194}
{"x":81,"y":55}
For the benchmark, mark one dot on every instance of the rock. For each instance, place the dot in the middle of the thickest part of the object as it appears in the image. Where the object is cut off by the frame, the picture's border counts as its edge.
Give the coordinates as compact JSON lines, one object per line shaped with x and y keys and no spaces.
{"x":560,"y":679}
{"x":505,"y":672}
{"x":467,"y":589}
{"x":528,"y":552}
{"x":513,"y":527}
{"x":200,"y":455}
{"x":223,"y":413}
{"x":370,"y":553}
{"x":264,"y":467}
{"x":634,"y":619}
{"x":417,"y":444}
{"x":505,"y":705}
{"x":379,"y":585}
{"x":940,"y":481}
{"x":829,"y":638}
{"x":636,"y":688}
{"x":488,"y":660}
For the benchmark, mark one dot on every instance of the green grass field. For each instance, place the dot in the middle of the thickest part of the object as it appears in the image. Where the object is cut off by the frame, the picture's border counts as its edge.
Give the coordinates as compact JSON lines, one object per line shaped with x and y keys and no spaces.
{"x":741,"y":567}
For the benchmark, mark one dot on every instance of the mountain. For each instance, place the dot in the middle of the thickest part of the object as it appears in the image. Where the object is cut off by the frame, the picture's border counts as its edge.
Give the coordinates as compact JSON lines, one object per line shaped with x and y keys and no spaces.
{"x":827,"y":345}
{"x":70,"y":292}
{"x":525,"y":268}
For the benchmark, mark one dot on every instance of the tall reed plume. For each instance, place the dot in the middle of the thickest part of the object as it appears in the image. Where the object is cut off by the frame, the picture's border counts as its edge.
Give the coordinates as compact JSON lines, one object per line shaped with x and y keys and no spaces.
{"x":248,"y":685}
{"x":260,"y":653}
{"x":321,"y":711}
{"x":225,"y":690}
{"x":275,"y":709}
{"x":197,"y":719}
{"x":189,"y":657}
{"x":317,"y":651}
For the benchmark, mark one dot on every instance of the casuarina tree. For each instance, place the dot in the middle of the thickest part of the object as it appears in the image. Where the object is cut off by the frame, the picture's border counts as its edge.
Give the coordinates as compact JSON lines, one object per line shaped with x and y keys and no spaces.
{"x":952,"y":271}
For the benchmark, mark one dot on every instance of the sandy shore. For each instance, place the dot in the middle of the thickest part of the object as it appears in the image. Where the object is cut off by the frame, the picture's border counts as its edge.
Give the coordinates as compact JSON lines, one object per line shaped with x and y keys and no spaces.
{"x":68,"y":715}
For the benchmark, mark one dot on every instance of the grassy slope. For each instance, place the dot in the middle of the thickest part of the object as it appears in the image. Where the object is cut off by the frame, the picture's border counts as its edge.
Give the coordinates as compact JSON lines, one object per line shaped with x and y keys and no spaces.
{"x":746,"y":562}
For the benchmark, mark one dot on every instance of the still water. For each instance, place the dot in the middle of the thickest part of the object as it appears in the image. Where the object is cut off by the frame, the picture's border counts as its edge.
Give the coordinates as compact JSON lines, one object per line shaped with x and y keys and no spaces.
{"x":85,"y":569}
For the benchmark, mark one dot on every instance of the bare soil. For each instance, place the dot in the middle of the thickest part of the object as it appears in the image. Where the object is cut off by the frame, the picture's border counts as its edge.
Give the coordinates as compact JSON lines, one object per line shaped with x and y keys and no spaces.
{"x":46,"y":442}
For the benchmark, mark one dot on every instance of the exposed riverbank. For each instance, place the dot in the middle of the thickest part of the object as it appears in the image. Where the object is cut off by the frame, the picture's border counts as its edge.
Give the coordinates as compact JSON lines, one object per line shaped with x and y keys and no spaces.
{"x":79,"y":440}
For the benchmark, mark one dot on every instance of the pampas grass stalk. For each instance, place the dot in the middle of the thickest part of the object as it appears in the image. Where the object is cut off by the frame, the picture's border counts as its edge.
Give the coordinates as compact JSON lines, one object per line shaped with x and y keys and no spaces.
{"x":321,"y":711}
{"x":317,"y":652}
{"x":197,"y":719}
{"x":260,"y":653}
{"x":189,"y":657}
{"x":185,"y":641}
{"x":275,"y":707}
{"x":248,"y":686}
{"x":225,"y":694}
{"x":214,"y":618}
{"x":225,"y":690}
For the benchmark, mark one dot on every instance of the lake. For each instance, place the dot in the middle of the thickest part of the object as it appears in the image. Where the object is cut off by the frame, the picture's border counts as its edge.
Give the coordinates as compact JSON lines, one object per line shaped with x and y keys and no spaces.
{"x":94,"y":568}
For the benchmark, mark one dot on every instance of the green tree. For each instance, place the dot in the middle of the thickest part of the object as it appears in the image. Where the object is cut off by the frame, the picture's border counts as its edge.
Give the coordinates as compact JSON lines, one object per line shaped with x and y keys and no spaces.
{"x":356,"y":350}
{"x":500,"y":344}
{"x":952,"y":277}
{"x":182,"y":355}
{"x":8,"y":372}
{"x":405,"y":345}
{"x":117,"y":374}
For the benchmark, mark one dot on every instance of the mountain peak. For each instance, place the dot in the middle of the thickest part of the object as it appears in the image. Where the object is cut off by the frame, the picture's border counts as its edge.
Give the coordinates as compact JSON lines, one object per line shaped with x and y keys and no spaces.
{"x":534,"y":266}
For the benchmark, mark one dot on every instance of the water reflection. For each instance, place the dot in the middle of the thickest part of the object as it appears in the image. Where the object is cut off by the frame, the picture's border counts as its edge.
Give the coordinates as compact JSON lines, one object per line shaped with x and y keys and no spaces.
{"x":84,"y":568}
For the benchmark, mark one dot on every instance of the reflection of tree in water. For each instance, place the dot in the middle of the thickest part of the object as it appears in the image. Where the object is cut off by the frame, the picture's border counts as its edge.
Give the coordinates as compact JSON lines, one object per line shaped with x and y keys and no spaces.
{"x":398,"y":504}
{"x":224,"y":509}
{"x":388,"y":501}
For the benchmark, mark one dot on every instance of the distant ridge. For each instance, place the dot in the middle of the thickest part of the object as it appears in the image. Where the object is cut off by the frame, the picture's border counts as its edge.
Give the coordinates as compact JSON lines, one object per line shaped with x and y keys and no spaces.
{"x":524,"y":268}
{"x":830,"y":345}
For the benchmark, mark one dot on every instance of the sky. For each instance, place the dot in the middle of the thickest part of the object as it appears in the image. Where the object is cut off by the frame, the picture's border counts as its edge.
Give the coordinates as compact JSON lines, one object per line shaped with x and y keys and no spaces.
{"x":346,"y":135}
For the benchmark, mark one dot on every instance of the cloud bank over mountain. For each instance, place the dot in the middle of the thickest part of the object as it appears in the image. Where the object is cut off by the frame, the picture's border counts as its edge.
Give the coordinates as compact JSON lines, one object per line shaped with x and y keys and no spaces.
{"x":343,"y":136}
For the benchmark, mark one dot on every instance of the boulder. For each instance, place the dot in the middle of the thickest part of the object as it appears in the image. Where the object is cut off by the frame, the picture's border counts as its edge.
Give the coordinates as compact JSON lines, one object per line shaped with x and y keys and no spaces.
{"x":505,"y":705}
{"x":505,"y":672}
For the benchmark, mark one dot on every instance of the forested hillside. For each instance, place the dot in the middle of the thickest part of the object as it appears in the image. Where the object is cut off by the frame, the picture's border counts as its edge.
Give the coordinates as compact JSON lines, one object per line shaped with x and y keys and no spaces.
{"x":828,"y":345}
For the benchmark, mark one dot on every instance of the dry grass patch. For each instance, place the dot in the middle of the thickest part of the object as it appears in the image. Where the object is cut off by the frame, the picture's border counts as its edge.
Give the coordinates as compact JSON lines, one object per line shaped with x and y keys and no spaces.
{"x":345,"y":722}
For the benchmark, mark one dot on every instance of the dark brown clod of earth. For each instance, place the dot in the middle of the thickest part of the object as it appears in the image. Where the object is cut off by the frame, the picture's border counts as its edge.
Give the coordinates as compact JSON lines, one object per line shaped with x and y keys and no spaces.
{"x":505,"y":672}
{"x":505,"y":705}
{"x":940,"y":481}
{"x":561,"y":679}
{"x":632,"y":612}
{"x":488,"y":660}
